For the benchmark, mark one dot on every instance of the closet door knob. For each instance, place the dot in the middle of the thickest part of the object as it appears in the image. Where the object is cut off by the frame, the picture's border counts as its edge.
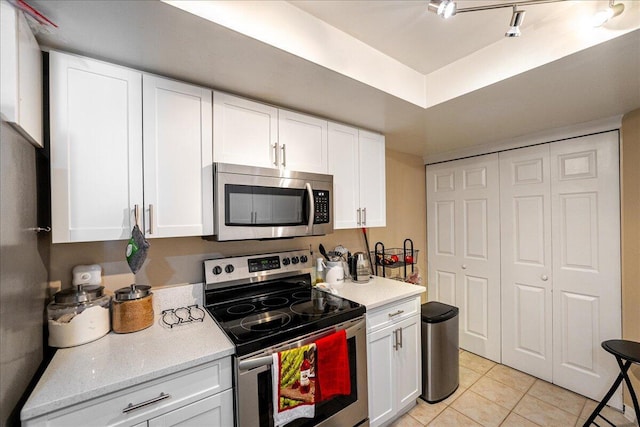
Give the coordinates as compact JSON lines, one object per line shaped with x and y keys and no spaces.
{"x":464,"y":266}
{"x":544,"y":277}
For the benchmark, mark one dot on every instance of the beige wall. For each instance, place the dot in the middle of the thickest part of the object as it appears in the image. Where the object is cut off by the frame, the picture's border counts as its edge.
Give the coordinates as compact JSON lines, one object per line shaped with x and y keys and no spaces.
{"x":630,"y":199}
{"x":179,"y":260}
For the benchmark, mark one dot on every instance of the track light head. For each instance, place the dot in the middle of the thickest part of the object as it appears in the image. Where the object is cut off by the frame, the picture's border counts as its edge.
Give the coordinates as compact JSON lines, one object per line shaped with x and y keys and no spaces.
{"x":516,"y":20}
{"x":602,"y":16}
{"x":443,"y":8}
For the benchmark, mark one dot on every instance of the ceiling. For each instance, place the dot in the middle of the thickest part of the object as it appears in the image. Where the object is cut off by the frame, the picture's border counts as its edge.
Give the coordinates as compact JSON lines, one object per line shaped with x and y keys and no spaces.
{"x":554,"y":84}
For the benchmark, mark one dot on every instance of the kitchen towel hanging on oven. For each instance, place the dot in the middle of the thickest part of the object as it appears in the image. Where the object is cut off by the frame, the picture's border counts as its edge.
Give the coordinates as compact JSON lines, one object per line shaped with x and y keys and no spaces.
{"x":332,"y":373}
{"x":293,"y":372}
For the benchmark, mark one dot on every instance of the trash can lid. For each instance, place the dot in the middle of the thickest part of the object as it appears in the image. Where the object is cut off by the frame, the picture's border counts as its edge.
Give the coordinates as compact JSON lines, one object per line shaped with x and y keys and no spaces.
{"x":436,"y":312}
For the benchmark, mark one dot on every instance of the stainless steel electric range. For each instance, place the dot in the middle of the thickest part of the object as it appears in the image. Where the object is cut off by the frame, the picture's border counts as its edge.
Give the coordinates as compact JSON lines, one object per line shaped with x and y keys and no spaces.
{"x":266,"y":304}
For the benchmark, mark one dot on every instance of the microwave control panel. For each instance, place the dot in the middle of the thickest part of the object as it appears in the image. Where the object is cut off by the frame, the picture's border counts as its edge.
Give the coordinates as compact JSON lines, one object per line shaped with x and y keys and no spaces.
{"x":321,"y":201}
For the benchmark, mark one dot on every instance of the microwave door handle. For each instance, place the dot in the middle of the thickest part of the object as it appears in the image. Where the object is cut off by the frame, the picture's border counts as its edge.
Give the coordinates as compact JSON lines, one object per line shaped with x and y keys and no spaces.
{"x":312,"y":208}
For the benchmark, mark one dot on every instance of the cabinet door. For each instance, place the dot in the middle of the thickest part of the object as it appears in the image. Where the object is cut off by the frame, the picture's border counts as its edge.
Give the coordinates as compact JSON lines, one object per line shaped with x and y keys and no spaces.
{"x":244,"y":132}
{"x":464,"y":247}
{"x":21,"y":77}
{"x":178,"y":176}
{"x":585,"y":209}
{"x":96,"y":149}
{"x":408,"y":362}
{"x":526,"y":282}
{"x":213,"y":411}
{"x":372,"y":179}
{"x":302,"y":142}
{"x":343,"y":165}
{"x":382,"y":376}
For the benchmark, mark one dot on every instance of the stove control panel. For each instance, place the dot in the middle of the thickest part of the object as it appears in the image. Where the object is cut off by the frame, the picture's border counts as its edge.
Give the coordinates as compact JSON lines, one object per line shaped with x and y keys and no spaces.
{"x":222,"y":270}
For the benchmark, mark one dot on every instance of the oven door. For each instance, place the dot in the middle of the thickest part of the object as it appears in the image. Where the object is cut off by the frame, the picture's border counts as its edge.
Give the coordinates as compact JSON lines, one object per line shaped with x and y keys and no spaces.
{"x":253,"y":395}
{"x":259,"y":203}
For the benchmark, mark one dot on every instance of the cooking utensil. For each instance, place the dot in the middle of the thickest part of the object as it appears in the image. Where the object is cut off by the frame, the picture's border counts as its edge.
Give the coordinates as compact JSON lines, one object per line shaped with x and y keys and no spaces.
{"x":323,"y":252}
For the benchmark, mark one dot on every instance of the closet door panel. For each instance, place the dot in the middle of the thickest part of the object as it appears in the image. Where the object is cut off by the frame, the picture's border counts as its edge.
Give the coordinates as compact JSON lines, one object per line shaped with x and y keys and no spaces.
{"x":478,"y":221}
{"x":445,"y":287}
{"x":526,"y":281}
{"x":464,"y":247}
{"x":586,"y":272}
{"x":444,"y":265}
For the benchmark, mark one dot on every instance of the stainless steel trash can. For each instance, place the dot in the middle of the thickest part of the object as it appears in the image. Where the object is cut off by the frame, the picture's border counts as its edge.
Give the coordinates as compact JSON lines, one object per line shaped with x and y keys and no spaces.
{"x":440,"y":359}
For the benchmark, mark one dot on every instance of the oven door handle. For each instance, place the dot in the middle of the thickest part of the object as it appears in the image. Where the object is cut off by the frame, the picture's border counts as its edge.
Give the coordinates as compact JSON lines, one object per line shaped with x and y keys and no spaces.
{"x":245,"y":365}
{"x":312,"y":208}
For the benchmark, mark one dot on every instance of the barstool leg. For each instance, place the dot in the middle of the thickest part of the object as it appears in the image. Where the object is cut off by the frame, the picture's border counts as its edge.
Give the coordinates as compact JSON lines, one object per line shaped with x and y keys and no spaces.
{"x":614,"y":387}
{"x":632,"y":392}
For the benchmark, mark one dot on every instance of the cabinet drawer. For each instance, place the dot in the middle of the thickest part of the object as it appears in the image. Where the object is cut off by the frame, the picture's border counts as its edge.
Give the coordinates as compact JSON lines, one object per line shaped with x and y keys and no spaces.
{"x":182,"y":388}
{"x":391,"y":313}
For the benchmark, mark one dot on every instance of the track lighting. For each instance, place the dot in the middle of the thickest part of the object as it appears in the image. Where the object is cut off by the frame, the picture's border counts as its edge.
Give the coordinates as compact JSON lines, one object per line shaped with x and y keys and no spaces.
{"x":443,"y":8}
{"x":602,"y":16}
{"x":516,"y":19}
{"x":447,"y":8}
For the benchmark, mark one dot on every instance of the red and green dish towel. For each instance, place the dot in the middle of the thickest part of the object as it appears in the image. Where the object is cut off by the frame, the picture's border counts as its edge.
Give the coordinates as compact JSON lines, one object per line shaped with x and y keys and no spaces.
{"x":309,"y":374}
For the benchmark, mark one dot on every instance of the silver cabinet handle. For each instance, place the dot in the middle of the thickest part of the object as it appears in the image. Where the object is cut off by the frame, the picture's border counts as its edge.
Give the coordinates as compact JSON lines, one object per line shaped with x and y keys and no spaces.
{"x":364,"y":216}
{"x":396,"y":313}
{"x":136,"y":214}
{"x":152,"y":228}
{"x":395,"y":339}
{"x":359,"y":216}
{"x":132,"y":407}
{"x":284,"y":155}
{"x":400,"y":334}
{"x":275,"y":154}
{"x":544,"y":277}
{"x":464,"y":266}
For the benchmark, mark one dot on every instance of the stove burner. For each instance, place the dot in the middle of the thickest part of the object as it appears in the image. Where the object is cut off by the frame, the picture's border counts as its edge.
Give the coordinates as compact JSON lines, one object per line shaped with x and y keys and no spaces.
{"x":314,"y":308}
{"x":302,"y":295}
{"x":241,"y":309}
{"x":275,"y":301}
{"x":265,"y":321}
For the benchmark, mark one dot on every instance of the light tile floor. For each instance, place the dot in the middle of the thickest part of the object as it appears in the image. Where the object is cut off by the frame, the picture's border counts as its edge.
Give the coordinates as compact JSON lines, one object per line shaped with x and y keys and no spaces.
{"x":496,"y":395}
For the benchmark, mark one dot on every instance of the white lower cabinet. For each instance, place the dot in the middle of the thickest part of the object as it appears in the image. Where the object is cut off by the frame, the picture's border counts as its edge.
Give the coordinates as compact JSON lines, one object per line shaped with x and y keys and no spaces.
{"x":213,"y":411}
{"x":394,"y":363}
{"x":198,"y":396}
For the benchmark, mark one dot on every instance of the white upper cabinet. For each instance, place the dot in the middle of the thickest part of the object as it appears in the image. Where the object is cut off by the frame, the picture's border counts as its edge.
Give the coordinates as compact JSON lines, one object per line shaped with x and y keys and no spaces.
{"x":302,"y":142}
{"x":343,"y":165}
{"x":357,"y":163}
{"x":178,"y":176}
{"x":21,"y":76}
{"x":244,"y":132}
{"x":99,"y":150}
{"x":96,"y":149}
{"x":373,"y":198}
{"x":250,"y":133}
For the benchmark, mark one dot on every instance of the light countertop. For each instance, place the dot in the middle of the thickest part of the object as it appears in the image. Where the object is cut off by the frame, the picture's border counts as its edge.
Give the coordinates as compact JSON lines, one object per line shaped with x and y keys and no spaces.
{"x":117,"y":361}
{"x":378,"y":291}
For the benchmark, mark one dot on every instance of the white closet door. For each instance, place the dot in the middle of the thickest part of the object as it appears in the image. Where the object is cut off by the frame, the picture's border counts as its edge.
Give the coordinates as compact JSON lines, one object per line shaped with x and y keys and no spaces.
{"x":464,"y":237}
{"x":525,"y":216}
{"x":443,"y":258}
{"x":586,"y":262}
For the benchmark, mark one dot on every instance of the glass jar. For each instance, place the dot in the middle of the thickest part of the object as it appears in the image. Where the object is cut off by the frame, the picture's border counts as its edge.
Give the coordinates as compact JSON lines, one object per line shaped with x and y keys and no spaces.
{"x":132,"y":309}
{"x":78,"y":315}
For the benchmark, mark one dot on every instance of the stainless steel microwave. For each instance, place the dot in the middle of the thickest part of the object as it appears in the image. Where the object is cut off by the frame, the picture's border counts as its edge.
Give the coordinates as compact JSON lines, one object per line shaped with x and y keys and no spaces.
{"x":263,"y":203}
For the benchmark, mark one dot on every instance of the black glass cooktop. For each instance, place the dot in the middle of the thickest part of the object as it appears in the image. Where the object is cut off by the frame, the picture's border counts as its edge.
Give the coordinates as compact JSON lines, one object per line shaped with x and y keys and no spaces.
{"x":257,"y":316}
